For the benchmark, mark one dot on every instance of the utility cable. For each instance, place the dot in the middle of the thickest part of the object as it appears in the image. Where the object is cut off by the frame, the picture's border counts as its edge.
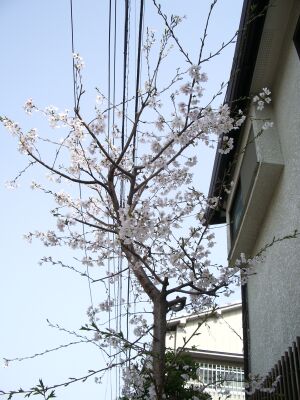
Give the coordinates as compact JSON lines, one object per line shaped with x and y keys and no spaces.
{"x":138,"y":73}
{"x":75,"y":88}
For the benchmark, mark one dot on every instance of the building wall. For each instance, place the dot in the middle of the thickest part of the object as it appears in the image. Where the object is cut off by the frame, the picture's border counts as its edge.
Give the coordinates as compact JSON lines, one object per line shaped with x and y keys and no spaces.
{"x":274,"y":292}
{"x":221,"y":333}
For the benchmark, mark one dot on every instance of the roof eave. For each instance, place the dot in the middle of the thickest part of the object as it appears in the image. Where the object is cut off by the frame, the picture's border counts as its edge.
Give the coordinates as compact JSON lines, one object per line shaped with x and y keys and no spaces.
{"x":250,"y":33}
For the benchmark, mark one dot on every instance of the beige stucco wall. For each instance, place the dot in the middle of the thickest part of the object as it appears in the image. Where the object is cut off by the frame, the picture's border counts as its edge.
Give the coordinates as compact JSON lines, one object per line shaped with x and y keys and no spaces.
{"x":274,"y":292}
{"x":221,"y":333}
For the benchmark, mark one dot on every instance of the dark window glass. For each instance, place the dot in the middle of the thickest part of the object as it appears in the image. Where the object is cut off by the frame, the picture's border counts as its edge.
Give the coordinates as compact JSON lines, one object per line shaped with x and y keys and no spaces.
{"x":248,"y":168}
{"x":296,"y":37}
{"x":236,"y":211}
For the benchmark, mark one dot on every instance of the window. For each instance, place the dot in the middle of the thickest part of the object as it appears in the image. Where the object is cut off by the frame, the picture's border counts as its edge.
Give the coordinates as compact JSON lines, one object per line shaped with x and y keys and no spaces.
{"x":243,"y":188}
{"x":236,"y":211}
{"x":296,"y":37}
{"x":222,"y":376}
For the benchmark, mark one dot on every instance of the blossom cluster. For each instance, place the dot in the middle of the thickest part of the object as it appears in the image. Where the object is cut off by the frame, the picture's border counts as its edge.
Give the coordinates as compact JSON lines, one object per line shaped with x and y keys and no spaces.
{"x":147,"y":219}
{"x":134,"y":384}
{"x":262,"y":98}
{"x":257,"y":383}
{"x":78,"y":61}
{"x":141,"y":325}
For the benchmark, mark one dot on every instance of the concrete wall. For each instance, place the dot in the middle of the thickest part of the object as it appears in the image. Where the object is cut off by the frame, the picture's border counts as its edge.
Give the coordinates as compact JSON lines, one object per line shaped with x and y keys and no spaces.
{"x":221,"y":333}
{"x":274,"y":292}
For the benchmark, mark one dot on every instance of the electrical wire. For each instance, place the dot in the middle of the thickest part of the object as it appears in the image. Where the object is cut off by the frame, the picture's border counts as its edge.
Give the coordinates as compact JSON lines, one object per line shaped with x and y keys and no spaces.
{"x":72,"y":44}
{"x":75,"y":88}
{"x":108,"y":150}
{"x":138,"y":73}
{"x":111,"y":87}
{"x":125,"y":69}
{"x":124,"y":129}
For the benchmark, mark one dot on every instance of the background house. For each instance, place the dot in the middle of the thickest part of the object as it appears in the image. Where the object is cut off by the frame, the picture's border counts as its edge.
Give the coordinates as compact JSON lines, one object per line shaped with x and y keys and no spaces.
{"x":264,"y":202}
{"x":215,"y":340}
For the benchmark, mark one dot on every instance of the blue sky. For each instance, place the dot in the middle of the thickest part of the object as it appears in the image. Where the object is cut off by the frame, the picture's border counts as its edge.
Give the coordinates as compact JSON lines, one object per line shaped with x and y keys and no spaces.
{"x":35,"y":39}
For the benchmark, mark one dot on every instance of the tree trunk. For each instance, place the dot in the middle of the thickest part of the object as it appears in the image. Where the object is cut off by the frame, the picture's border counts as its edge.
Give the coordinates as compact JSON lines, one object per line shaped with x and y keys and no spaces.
{"x":159,"y":346}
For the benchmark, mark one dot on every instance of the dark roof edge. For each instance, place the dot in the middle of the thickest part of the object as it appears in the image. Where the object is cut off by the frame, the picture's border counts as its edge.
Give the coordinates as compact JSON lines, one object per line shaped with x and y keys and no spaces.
{"x":249,"y":37}
{"x":214,"y":355}
{"x":220,"y":310}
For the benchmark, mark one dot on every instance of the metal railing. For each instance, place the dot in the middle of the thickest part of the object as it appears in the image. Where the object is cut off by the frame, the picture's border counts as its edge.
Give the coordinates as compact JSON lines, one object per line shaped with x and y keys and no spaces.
{"x":283,"y":381}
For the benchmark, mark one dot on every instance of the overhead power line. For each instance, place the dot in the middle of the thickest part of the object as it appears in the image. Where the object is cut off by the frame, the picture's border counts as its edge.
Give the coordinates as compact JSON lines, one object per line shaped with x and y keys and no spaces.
{"x":75,"y":93}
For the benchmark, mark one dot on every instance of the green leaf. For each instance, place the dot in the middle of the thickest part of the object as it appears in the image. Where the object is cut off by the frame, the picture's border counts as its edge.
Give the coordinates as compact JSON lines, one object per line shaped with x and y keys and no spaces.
{"x":85,"y":328}
{"x":51,"y":395}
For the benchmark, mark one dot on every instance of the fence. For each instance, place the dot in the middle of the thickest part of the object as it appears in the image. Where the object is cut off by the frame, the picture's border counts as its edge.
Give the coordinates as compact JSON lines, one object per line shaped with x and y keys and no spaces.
{"x":283,"y":381}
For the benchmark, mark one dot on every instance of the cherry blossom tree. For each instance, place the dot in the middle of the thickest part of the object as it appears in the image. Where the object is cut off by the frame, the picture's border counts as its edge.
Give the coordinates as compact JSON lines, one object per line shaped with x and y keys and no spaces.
{"x":138,"y":198}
